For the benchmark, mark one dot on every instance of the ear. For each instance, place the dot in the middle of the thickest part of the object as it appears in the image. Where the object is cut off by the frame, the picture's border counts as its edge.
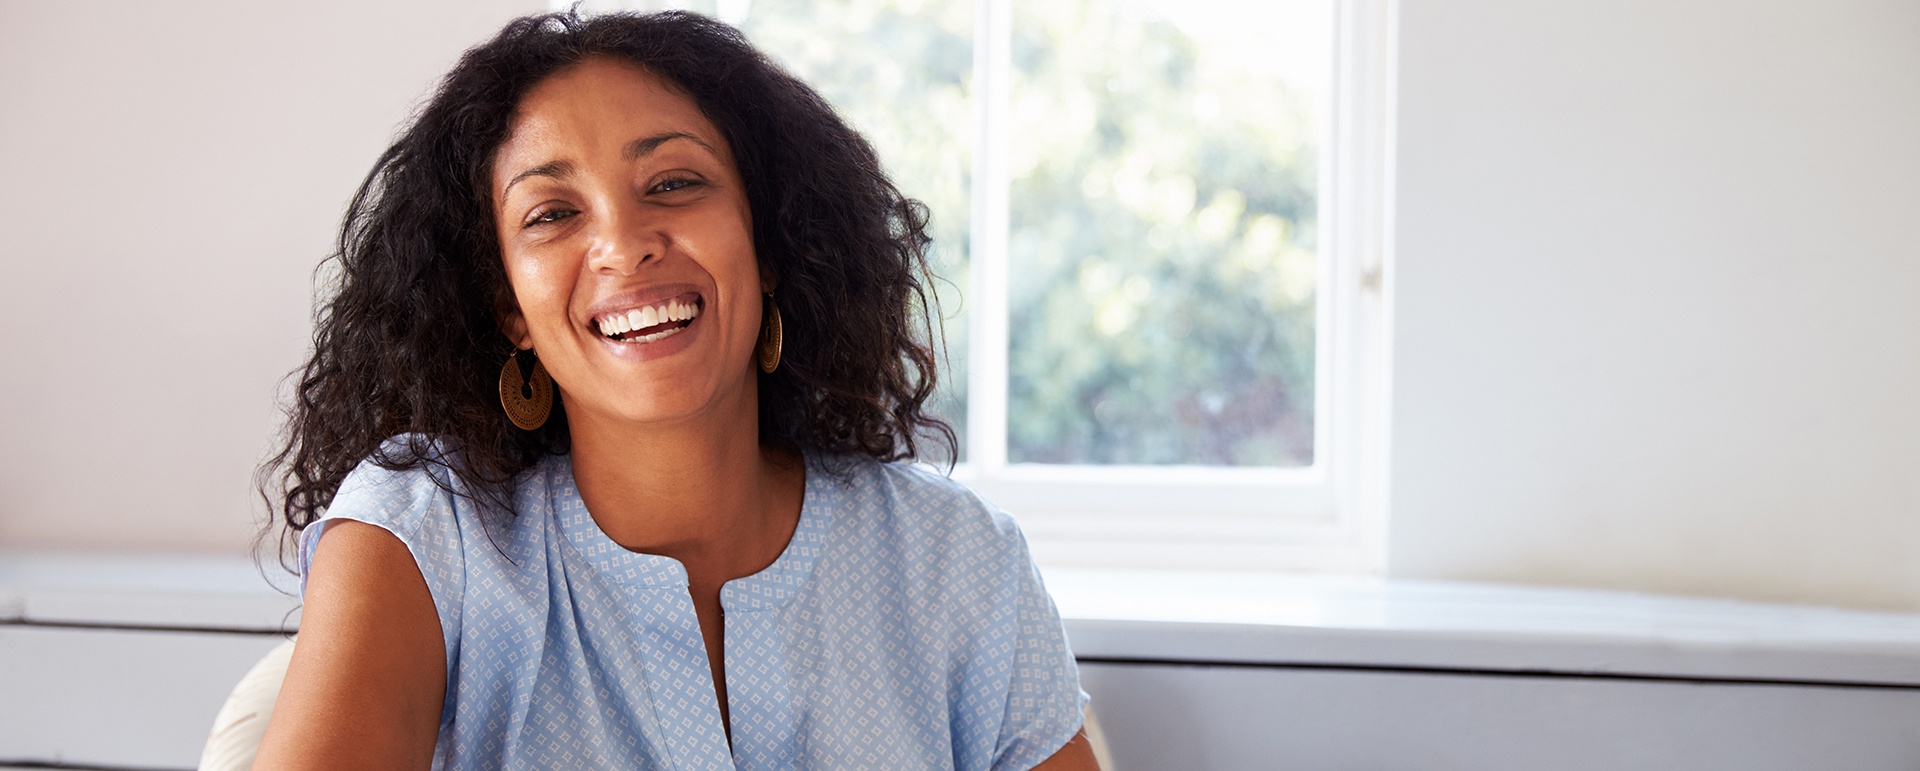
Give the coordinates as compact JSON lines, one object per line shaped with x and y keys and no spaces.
{"x":513,"y":323}
{"x":769,"y":281}
{"x":514,"y":326}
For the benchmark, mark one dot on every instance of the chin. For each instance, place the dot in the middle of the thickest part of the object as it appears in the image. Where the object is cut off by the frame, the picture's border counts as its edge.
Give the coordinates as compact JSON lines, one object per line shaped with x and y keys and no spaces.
{"x":667,"y":403}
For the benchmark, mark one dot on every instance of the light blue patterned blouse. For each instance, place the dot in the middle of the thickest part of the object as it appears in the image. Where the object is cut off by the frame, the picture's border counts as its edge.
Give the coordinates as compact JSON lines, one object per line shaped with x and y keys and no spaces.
{"x":904,"y":627}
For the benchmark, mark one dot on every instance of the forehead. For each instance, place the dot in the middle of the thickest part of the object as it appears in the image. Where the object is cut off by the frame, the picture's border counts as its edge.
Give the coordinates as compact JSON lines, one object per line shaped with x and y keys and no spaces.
{"x":598,"y":105}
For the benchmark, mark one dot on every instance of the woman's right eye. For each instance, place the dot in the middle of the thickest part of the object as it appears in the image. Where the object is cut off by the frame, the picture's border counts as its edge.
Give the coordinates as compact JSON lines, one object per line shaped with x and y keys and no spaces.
{"x":548,"y":216}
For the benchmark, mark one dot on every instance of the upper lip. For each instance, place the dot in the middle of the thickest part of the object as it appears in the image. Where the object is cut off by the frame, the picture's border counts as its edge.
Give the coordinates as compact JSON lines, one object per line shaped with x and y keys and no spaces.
{"x":639,"y":298}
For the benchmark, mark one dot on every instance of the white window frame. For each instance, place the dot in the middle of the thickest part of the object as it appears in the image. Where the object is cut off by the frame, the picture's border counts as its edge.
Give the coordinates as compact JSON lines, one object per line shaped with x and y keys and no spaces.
{"x":1329,"y":516}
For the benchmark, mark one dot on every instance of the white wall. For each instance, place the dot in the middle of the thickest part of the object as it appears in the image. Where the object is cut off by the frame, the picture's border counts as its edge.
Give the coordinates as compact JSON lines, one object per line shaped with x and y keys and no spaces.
{"x":1658,"y":296}
{"x":172,"y":174}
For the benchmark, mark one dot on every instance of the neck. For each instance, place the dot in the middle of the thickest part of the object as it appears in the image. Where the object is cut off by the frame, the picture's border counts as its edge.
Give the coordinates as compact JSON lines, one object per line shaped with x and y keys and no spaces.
{"x":700,"y":490}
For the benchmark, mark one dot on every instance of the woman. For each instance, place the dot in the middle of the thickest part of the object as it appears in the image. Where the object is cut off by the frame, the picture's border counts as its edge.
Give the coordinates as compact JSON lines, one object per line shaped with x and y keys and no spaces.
{"x":509,"y":571}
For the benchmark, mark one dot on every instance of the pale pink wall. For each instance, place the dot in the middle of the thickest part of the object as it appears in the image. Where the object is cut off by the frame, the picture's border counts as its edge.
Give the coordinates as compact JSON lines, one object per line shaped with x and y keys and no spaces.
{"x":172,"y":174}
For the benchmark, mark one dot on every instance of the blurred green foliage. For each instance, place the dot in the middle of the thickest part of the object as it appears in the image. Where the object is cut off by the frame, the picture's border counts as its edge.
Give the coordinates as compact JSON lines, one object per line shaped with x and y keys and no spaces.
{"x":900,"y":72}
{"x":1162,"y":254}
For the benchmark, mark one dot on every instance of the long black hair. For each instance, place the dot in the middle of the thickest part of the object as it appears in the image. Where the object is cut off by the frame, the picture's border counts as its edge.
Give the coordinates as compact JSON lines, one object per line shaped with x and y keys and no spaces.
{"x":409,"y":341}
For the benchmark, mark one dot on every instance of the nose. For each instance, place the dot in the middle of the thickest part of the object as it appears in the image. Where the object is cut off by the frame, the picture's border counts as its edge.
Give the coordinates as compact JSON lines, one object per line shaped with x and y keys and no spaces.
{"x":622,"y":244}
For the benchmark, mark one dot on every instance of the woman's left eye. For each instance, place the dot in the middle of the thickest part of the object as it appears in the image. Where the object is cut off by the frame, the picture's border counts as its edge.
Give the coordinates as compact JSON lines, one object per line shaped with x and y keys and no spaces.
{"x":678,"y":183}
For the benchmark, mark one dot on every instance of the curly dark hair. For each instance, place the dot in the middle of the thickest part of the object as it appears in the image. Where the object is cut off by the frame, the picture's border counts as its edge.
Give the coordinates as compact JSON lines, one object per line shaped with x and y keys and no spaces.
{"x":410,"y":343}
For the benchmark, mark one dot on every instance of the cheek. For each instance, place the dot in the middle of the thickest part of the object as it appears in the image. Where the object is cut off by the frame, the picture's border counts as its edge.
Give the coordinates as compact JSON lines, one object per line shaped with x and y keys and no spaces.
{"x":540,"y":287}
{"x":744,"y":289}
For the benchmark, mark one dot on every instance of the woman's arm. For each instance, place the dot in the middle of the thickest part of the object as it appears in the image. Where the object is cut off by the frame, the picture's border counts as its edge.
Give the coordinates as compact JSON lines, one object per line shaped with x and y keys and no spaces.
{"x":1076,"y":756}
{"x":369,"y":674}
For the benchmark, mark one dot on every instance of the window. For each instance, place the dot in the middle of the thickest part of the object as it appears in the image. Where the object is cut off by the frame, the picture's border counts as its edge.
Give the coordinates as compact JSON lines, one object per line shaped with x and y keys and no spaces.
{"x":1160,"y":225}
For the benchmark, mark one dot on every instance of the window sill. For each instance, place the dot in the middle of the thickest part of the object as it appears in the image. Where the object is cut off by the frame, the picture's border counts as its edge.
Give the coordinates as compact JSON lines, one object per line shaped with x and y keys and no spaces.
{"x":1177,"y":616}
{"x":145,"y":591}
{"x":1348,"y":622}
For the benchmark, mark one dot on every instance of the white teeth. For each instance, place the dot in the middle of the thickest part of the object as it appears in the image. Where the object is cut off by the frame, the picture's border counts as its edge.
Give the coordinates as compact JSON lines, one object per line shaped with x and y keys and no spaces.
{"x":658,"y":335}
{"x":641,"y":318}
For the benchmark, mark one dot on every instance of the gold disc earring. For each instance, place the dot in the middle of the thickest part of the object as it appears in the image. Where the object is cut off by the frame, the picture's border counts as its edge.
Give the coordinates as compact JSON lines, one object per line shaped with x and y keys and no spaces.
{"x":527,"y":401}
{"x":771,"y":338}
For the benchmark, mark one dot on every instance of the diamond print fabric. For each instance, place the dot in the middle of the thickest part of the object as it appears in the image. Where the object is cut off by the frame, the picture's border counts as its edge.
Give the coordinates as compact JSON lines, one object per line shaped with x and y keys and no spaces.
{"x":904,"y":627}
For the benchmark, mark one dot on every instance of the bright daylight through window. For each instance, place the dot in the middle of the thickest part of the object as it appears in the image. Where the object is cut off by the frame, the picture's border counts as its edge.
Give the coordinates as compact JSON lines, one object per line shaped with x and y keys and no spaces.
{"x":1152,"y":222}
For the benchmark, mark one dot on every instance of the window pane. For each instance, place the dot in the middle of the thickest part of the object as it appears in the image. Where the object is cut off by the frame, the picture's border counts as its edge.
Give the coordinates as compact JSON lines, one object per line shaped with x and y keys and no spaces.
{"x":900,"y":71}
{"x":1162,"y":257}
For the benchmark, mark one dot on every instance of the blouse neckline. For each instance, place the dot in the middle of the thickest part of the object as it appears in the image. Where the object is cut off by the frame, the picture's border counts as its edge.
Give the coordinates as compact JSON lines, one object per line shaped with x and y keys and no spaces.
{"x":765,"y":590}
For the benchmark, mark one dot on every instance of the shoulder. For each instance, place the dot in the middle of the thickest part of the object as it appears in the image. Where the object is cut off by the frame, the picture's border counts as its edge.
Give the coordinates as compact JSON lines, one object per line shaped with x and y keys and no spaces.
{"x":915,"y":497}
{"x":407,"y":489}
{"x":924,"y":523}
{"x":401,"y":486}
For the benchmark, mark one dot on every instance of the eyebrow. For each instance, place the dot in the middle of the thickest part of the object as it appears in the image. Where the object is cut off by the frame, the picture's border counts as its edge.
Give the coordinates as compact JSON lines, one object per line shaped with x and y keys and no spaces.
{"x":555,"y":169}
{"x":635,"y":150}
{"x":643,"y":147}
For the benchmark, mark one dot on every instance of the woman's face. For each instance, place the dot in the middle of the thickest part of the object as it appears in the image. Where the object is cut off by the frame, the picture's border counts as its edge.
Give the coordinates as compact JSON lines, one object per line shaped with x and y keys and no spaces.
{"x":627,"y":239}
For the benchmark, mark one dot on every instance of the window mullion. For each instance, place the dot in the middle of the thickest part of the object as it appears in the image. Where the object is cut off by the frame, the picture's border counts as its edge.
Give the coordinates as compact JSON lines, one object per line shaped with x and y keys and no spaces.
{"x":987,"y":306}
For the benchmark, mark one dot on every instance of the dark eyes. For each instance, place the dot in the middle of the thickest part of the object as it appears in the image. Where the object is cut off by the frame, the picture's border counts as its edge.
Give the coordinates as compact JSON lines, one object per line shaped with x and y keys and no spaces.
{"x":674,"y":183}
{"x":549,"y":216}
{"x":558,"y":213}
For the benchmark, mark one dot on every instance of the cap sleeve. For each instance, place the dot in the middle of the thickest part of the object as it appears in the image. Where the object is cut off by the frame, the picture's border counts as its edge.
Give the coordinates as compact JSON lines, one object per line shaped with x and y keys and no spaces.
{"x":1044,"y":703}
{"x":413,"y":507}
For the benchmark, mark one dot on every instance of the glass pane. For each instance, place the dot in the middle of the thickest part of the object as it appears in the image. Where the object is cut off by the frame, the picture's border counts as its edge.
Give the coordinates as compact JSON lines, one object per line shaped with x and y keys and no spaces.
{"x":1162,"y":258}
{"x":901,"y":72}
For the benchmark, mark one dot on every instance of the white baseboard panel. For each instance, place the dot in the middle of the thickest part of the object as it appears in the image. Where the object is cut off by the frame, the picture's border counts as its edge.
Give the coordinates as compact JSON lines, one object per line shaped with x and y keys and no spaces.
{"x":1200,"y":718}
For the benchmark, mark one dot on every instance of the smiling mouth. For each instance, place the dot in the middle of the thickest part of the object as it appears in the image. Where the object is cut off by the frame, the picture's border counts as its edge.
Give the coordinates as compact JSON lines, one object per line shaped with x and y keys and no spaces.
{"x":649,"y":323}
